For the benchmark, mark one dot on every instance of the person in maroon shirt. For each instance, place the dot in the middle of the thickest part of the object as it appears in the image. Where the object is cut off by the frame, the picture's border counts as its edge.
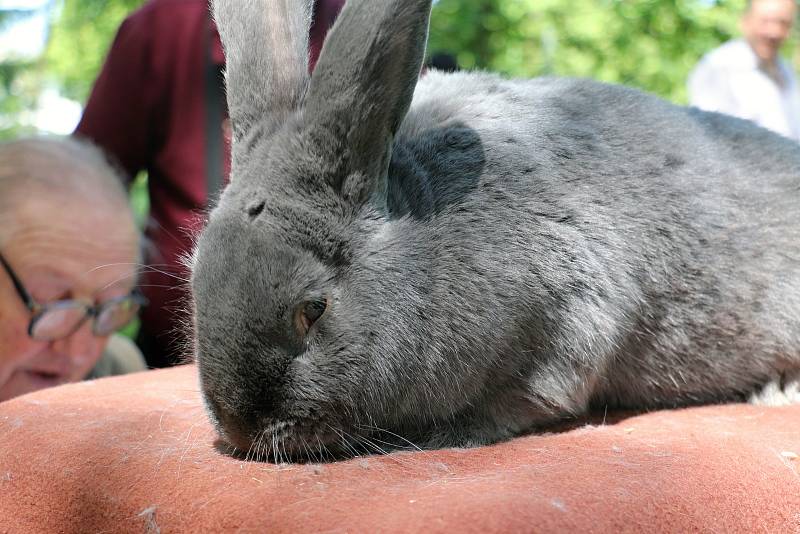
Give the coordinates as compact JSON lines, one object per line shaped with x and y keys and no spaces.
{"x":158,"y":106}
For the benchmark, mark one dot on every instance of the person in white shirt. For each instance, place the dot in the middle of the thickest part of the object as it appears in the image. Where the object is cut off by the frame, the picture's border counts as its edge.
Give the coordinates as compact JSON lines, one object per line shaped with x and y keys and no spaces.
{"x":747,"y":78}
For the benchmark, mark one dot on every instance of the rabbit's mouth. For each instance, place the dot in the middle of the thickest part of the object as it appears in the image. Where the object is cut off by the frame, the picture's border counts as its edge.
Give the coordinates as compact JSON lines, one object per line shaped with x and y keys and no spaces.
{"x":302,"y":442}
{"x":294,"y":441}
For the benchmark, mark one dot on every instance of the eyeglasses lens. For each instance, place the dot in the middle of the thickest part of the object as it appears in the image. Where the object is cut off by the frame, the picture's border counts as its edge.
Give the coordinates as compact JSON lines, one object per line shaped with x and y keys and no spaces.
{"x":58,"y":322}
{"x":114,"y":316}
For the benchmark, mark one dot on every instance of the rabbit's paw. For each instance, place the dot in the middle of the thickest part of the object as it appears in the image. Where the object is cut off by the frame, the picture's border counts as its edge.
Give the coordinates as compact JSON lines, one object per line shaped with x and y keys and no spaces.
{"x":781,"y":391}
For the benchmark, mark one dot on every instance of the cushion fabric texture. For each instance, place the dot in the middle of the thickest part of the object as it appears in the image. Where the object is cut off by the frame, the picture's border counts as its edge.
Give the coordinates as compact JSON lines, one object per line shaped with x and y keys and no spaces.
{"x":136,"y":453}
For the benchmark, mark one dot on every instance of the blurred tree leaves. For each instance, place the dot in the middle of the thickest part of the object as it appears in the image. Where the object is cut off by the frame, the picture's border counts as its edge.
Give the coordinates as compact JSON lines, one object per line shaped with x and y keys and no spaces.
{"x":650,"y":44}
{"x":18,"y":81}
{"x":79,"y":40}
{"x":80,"y":33}
{"x":19,"y":89}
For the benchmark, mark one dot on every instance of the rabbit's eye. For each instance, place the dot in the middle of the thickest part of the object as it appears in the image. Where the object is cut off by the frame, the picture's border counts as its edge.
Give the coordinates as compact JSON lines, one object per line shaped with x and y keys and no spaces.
{"x":310,"y":312}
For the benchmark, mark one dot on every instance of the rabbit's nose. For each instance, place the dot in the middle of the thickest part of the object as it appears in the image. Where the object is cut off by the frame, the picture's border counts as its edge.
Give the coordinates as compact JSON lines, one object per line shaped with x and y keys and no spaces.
{"x":255,"y":208}
{"x":236,"y":430}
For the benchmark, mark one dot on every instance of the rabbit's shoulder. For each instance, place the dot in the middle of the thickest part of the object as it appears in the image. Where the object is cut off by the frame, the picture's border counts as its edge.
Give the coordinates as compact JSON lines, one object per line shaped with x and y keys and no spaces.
{"x":588,"y":125}
{"x":468,"y":128}
{"x":487,"y":101}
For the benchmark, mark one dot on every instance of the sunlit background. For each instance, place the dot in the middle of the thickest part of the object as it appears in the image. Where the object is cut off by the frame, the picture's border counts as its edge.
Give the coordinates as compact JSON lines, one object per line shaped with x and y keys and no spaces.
{"x":51,"y":50}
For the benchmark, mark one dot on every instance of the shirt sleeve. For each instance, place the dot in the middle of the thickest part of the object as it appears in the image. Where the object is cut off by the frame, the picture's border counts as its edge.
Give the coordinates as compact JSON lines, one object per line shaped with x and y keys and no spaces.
{"x":119,"y":116}
{"x":708,"y":89}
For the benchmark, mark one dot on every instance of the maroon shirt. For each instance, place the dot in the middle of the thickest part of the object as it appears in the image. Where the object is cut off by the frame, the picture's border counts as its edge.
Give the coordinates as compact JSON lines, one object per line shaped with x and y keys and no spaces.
{"x":147,"y":109}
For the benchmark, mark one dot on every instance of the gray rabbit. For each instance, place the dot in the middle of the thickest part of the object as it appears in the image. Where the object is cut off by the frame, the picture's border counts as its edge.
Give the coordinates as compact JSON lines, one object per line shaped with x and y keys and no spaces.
{"x":462,"y":258}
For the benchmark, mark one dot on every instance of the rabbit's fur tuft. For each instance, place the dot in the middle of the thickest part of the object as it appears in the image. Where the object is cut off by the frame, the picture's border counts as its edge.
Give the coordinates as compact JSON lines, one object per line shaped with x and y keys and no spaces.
{"x":492,"y":256}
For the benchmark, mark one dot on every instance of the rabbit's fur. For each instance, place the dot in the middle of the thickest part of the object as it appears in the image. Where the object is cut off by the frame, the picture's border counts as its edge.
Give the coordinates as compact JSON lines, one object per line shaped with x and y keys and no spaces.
{"x":495,"y":255}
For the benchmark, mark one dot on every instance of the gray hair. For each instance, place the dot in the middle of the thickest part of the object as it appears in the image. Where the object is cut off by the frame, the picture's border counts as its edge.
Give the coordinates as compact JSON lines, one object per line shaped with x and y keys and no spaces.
{"x":63,"y":165}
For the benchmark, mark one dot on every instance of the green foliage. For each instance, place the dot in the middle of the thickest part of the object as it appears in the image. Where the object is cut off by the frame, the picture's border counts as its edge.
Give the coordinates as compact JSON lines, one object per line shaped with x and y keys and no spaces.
{"x":80,"y":39}
{"x":140,"y":203}
{"x":130,"y":330}
{"x":650,"y":44}
{"x":20,"y":82}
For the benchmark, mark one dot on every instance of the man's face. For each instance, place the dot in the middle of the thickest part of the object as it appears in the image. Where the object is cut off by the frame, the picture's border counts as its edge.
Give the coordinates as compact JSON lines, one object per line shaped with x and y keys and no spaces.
{"x":60,"y":248}
{"x":766,"y":25}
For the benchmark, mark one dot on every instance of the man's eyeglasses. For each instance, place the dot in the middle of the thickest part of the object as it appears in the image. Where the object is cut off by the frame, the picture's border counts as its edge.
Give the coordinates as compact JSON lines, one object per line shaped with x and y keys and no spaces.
{"x":62,"y":318}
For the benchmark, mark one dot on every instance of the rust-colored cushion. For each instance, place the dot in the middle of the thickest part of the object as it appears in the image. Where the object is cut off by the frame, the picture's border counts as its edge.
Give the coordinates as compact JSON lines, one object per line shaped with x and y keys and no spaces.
{"x":136,"y":454}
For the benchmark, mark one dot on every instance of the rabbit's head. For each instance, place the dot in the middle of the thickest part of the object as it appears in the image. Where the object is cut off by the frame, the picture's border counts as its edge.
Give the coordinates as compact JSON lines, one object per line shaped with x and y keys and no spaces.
{"x":276,"y":320}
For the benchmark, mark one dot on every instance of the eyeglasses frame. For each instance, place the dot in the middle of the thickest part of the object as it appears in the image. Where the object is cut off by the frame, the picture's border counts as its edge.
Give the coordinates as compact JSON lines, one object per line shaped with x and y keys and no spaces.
{"x":37,"y":309}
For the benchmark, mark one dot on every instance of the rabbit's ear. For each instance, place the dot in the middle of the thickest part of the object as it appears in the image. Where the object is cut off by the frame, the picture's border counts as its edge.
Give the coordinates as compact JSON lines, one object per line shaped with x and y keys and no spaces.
{"x":363,"y":83}
{"x":266,"y":60}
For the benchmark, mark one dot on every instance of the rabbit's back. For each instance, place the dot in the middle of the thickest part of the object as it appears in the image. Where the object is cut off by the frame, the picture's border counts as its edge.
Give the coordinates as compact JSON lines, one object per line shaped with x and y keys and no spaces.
{"x":668,"y":238}
{"x":587,"y":132}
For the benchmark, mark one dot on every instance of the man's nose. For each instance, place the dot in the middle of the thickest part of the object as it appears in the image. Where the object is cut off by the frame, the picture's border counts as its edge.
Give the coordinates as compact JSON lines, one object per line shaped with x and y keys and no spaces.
{"x":776,"y":31}
{"x":80,"y":346}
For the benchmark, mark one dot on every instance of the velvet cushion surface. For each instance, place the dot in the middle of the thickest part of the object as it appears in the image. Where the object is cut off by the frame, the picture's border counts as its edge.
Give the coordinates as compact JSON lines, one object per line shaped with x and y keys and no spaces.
{"x":136,"y":453}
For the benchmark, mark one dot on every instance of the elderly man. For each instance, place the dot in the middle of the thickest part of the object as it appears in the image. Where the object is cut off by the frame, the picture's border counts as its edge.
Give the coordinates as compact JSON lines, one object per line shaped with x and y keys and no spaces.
{"x":747,"y":78}
{"x":68,"y":256}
